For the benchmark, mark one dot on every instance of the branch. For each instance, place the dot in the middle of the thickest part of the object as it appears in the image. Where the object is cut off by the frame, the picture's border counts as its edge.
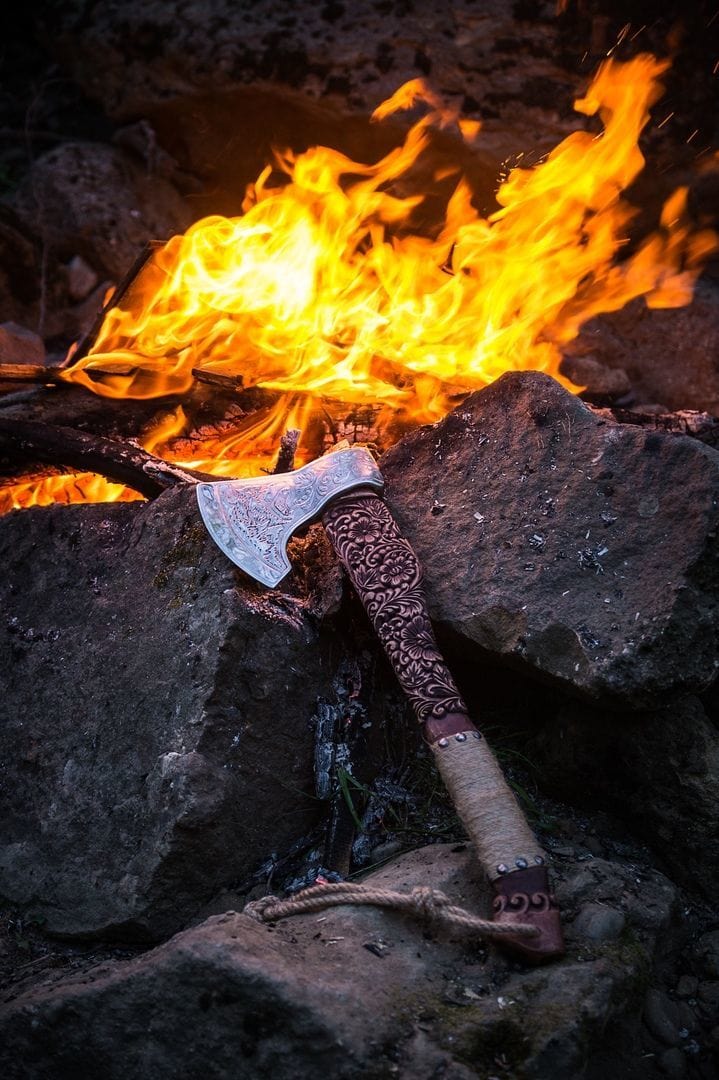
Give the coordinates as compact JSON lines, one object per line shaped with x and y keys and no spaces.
{"x":32,"y":442}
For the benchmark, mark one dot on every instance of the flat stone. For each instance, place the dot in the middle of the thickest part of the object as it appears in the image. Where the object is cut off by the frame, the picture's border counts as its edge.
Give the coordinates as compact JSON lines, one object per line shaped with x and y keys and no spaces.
{"x":305,"y":996}
{"x":156,"y":715}
{"x":580,"y":549}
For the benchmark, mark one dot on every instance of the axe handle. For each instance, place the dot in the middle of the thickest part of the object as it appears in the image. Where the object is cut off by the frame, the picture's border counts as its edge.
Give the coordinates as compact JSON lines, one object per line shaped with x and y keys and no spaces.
{"x":387,"y":576}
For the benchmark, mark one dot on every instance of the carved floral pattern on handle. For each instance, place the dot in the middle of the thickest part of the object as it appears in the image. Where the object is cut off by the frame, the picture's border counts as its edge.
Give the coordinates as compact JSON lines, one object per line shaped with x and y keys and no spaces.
{"x":387,"y":575}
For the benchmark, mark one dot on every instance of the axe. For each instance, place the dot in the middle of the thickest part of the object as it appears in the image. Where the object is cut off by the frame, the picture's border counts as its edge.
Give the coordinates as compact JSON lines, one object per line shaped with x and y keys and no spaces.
{"x":252,"y":520}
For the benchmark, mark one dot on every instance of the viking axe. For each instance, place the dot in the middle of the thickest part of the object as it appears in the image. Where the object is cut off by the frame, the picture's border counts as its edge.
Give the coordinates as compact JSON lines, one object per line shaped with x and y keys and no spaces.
{"x":252,"y":521}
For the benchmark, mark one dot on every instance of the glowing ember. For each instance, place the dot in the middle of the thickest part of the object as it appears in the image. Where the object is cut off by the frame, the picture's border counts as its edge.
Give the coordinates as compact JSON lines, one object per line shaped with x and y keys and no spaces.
{"x":323,"y":290}
{"x":66,"y":488}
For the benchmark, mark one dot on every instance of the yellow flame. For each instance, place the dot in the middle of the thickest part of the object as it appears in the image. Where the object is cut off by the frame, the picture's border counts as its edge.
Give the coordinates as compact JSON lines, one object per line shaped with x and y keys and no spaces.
{"x":323,"y":288}
{"x":68,"y":488}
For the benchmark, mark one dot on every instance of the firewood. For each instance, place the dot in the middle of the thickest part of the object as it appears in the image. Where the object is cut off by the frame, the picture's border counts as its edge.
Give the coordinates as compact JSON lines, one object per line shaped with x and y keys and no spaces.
{"x":32,"y":442}
{"x":32,"y":373}
{"x":698,"y":425}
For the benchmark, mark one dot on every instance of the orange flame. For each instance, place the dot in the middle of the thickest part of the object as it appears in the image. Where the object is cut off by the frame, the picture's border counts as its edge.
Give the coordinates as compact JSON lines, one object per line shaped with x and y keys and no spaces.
{"x":323,"y":289}
{"x":67,"y":488}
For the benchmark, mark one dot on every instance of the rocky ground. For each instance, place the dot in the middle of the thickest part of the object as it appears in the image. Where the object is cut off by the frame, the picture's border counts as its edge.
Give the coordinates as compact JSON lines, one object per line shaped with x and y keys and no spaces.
{"x":166,"y":724}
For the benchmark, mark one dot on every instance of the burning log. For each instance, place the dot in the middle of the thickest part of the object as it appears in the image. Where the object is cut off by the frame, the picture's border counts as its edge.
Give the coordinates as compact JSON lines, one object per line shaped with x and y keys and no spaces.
{"x":31,"y":442}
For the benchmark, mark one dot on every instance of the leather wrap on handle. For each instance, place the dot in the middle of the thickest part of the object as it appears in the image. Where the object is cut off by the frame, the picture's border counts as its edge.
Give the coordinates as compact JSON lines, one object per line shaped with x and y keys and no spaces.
{"x":388,"y":579}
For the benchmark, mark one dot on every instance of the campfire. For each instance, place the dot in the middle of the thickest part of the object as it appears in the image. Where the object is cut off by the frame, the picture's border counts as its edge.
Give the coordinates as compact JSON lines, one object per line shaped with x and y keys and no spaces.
{"x":430,"y":373}
{"x":337,"y":306}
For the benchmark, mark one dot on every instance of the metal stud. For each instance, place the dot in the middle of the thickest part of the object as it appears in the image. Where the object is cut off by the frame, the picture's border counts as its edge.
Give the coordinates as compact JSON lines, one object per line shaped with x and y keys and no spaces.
{"x":502,"y":869}
{"x":461,"y":737}
{"x":443,"y":742}
{"x":476,"y":735}
{"x":539,"y":860}
{"x":522,"y":864}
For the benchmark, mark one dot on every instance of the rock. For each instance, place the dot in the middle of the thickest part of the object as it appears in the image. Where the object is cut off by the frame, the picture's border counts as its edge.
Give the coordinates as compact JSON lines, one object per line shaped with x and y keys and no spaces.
{"x":658,"y":772}
{"x":644,"y":345}
{"x":687,"y":986}
{"x":706,"y":955}
{"x":660,"y":1017}
{"x":95,"y":201}
{"x":18,"y":345}
{"x":156,"y":714}
{"x":81,"y":278}
{"x":673,"y":1062}
{"x":596,"y":379}
{"x":305,"y":995}
{"x":597,"y":922}
{"x":355,"y":55}
{"x":580,"y":549}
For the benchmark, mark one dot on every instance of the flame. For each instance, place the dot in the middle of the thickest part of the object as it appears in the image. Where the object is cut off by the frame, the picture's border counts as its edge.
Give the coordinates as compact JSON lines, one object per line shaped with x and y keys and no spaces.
{"x":324,"y":289}
{"x":67,"y":488}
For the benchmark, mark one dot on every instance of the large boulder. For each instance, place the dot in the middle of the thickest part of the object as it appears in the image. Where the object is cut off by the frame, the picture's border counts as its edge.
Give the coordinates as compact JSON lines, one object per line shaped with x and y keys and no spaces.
{"x":552,"y":538}
{"x":156,"y":714}
{"x":354,"y":992}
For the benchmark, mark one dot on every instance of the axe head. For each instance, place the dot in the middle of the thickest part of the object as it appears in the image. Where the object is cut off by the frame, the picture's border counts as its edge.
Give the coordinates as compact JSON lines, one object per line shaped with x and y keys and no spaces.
{"x":252,"y":520}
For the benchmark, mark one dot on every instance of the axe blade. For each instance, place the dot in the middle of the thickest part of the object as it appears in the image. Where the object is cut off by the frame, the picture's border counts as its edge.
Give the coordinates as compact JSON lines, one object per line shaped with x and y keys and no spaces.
{"x":252,"y":520}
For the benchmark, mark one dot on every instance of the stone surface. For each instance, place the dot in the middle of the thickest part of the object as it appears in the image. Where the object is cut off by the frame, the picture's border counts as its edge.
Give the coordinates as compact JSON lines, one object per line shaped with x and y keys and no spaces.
{"x":706,"y":955}
{"x":669,"y":356}
{"x":18,"y":345}
{"x":156,"y":714}
{"x":599,"y":922}
{"x":81,"y":278}
{"x":95,"y":201}
{"x":659,"y":772}
{"x":309,"y":995}
{"x":355,"y":55}
{"x":660,"y":1016}
{"x":552,"y":538}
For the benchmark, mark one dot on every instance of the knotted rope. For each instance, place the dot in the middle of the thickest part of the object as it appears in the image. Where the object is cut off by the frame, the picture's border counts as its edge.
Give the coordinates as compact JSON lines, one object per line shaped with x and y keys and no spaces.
{"x":423,"y":902}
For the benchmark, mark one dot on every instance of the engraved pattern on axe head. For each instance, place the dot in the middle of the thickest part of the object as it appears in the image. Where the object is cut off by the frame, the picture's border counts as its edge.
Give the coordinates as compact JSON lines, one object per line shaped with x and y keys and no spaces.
{"x":252,"y":520}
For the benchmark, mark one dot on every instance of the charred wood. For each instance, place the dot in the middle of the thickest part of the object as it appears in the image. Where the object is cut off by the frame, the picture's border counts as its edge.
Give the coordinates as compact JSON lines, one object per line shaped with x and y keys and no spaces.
{"x":31,"y":443}
{"x":288,"y":448}
{"x":698,"y":425}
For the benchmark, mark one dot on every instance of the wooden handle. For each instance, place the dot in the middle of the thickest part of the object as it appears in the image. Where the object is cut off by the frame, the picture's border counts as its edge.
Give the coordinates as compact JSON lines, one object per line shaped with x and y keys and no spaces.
{"x":387,"y":576}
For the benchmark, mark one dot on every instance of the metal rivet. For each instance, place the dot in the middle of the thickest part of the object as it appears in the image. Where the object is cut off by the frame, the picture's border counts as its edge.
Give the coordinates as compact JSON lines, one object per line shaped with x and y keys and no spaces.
{"x":539,"y":860}
{"x":442,"y":742}
{"x":522,"y":864}
{"x":461,"y":737}
{"x":502,"y":869}
{"x":476,"y":735}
